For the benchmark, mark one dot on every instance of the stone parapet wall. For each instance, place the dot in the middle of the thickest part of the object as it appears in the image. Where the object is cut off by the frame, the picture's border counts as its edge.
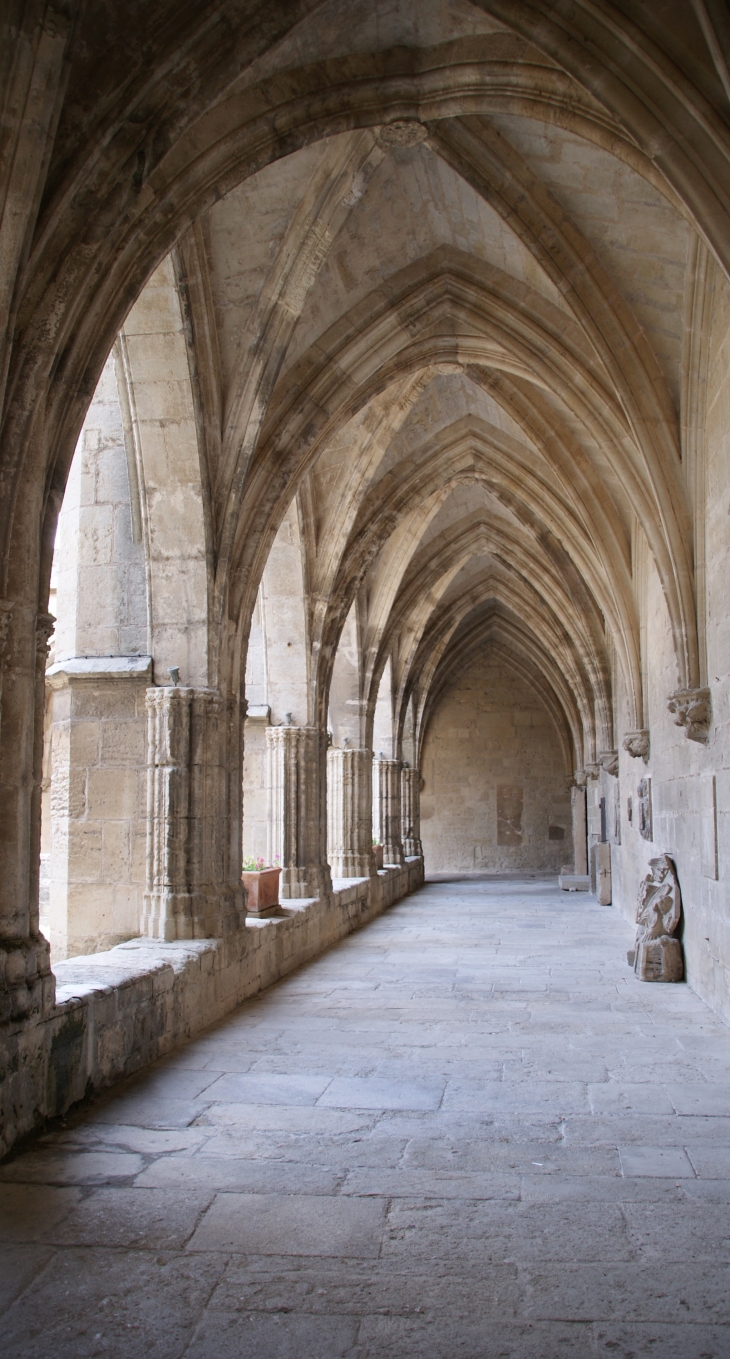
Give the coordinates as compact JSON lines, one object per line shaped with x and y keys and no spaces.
{"x":118,"y":1011}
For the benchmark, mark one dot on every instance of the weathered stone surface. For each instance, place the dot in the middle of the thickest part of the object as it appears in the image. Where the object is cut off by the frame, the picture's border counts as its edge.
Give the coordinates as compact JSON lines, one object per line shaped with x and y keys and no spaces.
{"x":119,"y":1010}
{"x":407,"y":1101}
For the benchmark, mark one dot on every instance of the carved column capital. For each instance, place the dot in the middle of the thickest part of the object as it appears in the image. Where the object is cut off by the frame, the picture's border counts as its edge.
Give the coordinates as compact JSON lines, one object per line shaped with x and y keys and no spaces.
{"x":608,"y":760}
{"x":692,"y":709}
{"x":637,"y":743}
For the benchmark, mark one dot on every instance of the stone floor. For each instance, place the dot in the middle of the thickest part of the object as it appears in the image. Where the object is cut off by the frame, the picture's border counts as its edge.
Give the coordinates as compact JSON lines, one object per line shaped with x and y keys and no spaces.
{"x":466,"y":1131}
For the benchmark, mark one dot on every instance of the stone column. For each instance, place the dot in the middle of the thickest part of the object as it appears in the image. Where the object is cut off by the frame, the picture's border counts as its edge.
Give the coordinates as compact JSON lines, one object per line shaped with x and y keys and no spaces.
{"x":580,"y":840}
{"x":97,"y":802}
{"x":410,"y":793}
{"x":350,"y":813}
{"x":387,"y":809}
{"x":27,"y":985}
{"x":296,"y":803}
{"x":193,"y":814}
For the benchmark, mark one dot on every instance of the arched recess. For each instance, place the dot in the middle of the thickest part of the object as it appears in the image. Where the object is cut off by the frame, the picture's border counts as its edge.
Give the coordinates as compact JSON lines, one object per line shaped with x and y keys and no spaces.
{"x":160,"y":409}
{"x":94,"y":813}
{"x":345,"y":697}
{"x":277,"y":676}
{"x":494,"y":793}
{"x":381,"y":714}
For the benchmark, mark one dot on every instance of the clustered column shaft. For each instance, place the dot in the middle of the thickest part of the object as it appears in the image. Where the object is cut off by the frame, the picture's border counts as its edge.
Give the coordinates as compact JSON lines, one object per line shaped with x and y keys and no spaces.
{"x":296,"y":800}
{"x":410,"y":786}
{"x":387,"y":809}
{"x":349,"y":813}
{"x":193,"y":843}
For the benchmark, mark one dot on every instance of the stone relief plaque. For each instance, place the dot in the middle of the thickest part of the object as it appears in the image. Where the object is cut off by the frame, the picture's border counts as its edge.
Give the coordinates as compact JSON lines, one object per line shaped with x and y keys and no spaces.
{"x":642,"y":809}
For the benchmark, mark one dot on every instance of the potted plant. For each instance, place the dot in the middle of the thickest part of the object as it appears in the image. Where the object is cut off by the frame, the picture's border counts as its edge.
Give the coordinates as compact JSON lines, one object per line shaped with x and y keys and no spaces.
{"x":378,"y":852}
{"x":261,"y":885}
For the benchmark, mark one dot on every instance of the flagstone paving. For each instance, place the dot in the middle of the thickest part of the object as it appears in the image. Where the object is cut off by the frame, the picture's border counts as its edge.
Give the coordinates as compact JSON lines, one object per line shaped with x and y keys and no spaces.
{"x":466,"y":1132}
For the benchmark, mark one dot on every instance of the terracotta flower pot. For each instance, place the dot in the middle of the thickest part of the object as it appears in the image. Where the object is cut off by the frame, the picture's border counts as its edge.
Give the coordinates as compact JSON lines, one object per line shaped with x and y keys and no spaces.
{"x":262,"y":891}
{"x":378,"y":852}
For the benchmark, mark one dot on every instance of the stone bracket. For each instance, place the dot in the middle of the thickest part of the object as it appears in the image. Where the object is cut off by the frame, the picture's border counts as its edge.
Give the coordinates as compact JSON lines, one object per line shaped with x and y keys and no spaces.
{"x":692,"y":709}
{"x":637,"y":743}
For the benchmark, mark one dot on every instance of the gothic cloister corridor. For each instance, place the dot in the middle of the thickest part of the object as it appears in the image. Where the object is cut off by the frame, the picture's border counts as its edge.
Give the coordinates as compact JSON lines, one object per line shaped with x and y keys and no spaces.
{"x":466,"y":1131}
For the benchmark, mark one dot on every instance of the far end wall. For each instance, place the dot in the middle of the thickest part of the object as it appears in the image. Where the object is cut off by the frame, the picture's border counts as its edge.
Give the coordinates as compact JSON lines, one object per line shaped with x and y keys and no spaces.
{"x":494,"y":795}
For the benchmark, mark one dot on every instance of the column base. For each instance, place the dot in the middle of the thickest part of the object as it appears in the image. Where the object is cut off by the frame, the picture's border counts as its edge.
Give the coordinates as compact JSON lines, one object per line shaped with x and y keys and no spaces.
{"x":192,"y":915}
{"x":27,"y":985}
{"x":353,"y":865}
{"x":393,"y":854}
{"x":305,"y":880}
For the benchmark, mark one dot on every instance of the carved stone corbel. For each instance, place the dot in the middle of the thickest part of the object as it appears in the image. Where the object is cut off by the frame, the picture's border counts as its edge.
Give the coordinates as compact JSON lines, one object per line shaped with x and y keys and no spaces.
{"x":593,"y":770}
{"x":692,"y":709}
{"x":637,"y":743}
{"x":609,"y":762}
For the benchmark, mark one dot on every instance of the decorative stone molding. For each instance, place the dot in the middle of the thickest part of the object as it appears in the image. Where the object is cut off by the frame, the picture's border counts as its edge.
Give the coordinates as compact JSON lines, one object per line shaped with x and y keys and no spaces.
{"x":193,"y":887}
{"x":45,"y":624}
{"x":349,"y":812}
{"x":593,"y":770}
{"x":636,"y":743}
{"x":608,"y":760}
{"x":387,"y":809}
{"x":296,"y":785}
{"x":405,"y":132}
{"x":410,"y":794}
{"x":692,"y":709}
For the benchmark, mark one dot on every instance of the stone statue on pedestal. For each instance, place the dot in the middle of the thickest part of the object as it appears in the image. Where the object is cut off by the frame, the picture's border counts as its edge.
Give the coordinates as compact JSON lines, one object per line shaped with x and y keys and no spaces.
{"x":657,"y":955}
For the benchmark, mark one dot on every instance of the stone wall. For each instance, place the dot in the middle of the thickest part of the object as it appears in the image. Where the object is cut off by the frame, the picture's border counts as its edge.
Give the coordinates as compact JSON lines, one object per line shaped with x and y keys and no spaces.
{"x":689,"y":780}
{"x":495,"y":793}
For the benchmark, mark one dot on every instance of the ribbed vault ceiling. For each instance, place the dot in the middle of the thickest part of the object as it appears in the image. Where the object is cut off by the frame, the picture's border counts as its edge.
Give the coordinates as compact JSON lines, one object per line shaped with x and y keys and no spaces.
{"x":441,"y":265}
{"x":459,"y":342}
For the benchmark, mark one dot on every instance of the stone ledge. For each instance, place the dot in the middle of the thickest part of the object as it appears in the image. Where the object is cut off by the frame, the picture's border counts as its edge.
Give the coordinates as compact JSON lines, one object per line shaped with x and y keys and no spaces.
{"x":97,"y":668}
{"x":118,"y":1011}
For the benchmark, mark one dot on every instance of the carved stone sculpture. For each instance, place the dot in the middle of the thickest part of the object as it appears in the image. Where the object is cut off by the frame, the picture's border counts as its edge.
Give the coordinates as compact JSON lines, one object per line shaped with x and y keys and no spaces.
{"x":609,"y":762}
{"x":657,"y":955}
{"x":692,"y":710}
{"x":637,"y":743}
